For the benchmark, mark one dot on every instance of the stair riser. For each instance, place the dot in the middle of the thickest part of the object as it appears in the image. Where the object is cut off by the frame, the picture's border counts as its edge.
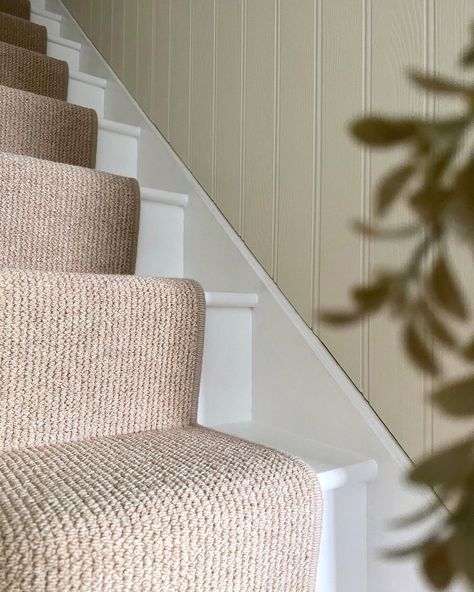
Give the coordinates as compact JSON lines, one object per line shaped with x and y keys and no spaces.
{"x":86,"y":95}
{"x":161,"y":240}
{"x":343,"y":552}
{"x":53,"y":26}
{"x":117,"y":153}
{"x":67,"y":54}
{"x":226,"y":384}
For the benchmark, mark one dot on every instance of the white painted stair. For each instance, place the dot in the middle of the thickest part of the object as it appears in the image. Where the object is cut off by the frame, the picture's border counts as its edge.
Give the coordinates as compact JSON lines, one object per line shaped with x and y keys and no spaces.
{"x":171,"y":219}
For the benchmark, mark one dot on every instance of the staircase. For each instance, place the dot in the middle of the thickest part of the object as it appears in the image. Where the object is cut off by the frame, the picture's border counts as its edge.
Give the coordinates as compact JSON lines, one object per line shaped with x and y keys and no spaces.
{"x":181,"y":234}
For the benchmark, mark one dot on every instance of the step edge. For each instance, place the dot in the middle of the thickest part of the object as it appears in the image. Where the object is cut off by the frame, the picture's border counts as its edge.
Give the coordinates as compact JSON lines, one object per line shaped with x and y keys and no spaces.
{"x":46,"y":13}
{"x":231,"y":300}
{"x":355,"y":470}
{"x":120,"y":128}
{"x":64,"y":42}
{"x":88,"y":78}
{"x":168,"y":198}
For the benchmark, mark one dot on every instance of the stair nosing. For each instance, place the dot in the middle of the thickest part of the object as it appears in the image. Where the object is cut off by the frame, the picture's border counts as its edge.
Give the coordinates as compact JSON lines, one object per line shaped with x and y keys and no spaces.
{"x":46,"y":14}
{"x":120,"y":128}
{"x":65,"y":42}
{"x":332,"y":474}
{"x":88,"y":78}
{"x":169,"y":198}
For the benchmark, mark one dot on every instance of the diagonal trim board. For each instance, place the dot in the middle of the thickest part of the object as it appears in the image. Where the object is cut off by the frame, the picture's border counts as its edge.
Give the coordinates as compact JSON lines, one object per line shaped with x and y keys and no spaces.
{"x":298,"y":388}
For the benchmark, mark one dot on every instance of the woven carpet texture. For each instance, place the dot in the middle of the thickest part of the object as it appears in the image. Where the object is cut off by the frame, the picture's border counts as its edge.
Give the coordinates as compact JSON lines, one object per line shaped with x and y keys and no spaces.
{"x":86,"y":355}
{"x":32,"y":71}
{"x":57,"y":217}
{"x":20,"y":8}
{"x":22,"y":33}
{"x":38,"y":126}
{"x":184,"y":510}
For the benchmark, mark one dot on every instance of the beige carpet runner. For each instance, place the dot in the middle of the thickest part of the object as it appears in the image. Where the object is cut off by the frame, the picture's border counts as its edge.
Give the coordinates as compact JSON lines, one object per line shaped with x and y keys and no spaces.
{"x":64,"y":218}
{"x":29,"y":70}
{"x":170,"y":509}
{"x":20,"y":8}
{"x":106,"y":482}
{"x":47,"y":128}
{"x":22,"y":33}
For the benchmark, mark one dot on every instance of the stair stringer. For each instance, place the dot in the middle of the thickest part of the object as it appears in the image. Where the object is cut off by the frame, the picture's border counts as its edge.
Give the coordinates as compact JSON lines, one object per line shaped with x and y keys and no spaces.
{"x":297,"y":386}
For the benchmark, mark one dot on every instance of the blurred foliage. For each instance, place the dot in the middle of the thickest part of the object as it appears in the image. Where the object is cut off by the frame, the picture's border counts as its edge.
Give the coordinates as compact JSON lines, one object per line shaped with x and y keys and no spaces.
{"x":436,"y":182}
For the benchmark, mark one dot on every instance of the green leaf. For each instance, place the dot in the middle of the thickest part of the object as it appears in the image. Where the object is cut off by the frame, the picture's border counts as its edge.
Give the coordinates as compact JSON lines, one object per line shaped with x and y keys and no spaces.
{"x":418,"y":516}
{"x":439,"y":85}
{"x":383,"y":132}
{"x":457,"y":399}
{"x":402,"y":232}
{"x":438,"y":329}
{"x":391,"y":187}
{"x":429,"y":202}
{"x":418,"y":351}
{"x":437,"y":565}
{"x":373,"y":297}
{"x":401,"y":553}
{"x":468,"y":351}
{"x":447,"y":467}
{"x":467,"y":59}
{"x":340,"y":318}
{"x":445,"y":291}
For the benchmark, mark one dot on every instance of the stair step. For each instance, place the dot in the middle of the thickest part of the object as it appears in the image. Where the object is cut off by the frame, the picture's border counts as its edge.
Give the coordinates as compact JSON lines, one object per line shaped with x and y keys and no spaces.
{"x":117,"y":148}
{"x":343,"y":477}
{"x":161,"y":236}
{"x":50,"y":20}
{"x":87,"y":91}
{"x":64,"y":49}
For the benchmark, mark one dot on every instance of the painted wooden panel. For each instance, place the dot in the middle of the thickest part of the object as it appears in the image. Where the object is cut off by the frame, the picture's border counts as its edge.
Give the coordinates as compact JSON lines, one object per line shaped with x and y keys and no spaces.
{"x":228,"y":110}
{"x":130,"y":44}
{"x":297,"y":128}
{"x":452,"y":35}
{"x":160,"y":79}
{"x":81,"y":12}
{"x":144,"y":52}
{"x":396,"y":389}
{"x":340,"y":190}
{"x":180,"y":77}
{"x":202,"y":93}
{"x":95,"y":22}
{"x":259,"y":131}
{"x":106,"y":29}
{"x":116,"y":61}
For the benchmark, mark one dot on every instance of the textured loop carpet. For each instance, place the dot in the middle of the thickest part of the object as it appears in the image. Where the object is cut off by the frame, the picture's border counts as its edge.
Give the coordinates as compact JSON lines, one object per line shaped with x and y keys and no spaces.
{"x":85,"y":355}
{"x":20,"y":8}
{"x":185,"y":510}
{"x":63,"y":218}
{"x":32,"y":71}
{"x":46,"y":128}
{"x":22,"y":33}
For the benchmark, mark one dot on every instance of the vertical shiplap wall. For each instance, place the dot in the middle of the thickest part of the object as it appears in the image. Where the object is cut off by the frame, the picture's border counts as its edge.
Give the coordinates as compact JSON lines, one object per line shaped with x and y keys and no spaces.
{"x":255,"y":97}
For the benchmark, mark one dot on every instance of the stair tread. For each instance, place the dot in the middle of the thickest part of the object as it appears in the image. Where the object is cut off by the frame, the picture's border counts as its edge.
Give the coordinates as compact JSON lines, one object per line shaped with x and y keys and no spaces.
{"x":335,"y":467}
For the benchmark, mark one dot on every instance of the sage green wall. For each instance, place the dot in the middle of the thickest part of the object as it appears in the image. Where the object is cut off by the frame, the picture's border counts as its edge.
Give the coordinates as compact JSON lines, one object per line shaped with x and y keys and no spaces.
{"x":255,"y":96}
